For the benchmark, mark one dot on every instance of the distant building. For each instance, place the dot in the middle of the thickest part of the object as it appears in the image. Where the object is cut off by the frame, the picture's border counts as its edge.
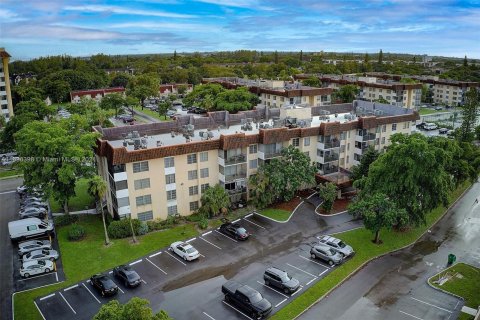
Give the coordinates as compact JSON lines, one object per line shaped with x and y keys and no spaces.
{"x":126,"y":70}
{"x":6,"y":106}
{"x":97,"y":94}
{"x":172,"y":88}
{"x":16,"y":78}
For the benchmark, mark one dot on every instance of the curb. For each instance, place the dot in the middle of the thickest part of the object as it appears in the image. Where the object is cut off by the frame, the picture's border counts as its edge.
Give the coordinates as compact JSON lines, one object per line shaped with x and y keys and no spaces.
{"x":441,"y":290}
{"x":329,"y":215}
{"x":291,"y":215}
{"x":13,"y":295}
{"x":383,"y":254}
{"x":12,"y":177}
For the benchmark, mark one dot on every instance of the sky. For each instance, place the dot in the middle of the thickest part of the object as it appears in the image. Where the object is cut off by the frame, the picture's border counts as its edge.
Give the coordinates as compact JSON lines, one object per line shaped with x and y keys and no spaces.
{"x":33,"y":28}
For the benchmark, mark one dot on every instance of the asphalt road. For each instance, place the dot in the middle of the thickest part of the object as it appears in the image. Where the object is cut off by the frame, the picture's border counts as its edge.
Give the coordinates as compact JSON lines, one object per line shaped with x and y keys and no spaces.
{"x":394,"y":287}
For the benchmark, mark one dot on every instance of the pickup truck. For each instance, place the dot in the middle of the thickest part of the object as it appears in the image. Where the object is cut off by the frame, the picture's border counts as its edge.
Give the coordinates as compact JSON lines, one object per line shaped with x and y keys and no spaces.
{"x":248,"y":299}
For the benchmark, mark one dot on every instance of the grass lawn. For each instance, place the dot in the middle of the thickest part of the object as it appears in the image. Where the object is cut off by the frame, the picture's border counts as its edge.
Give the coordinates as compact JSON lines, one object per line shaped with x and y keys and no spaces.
{"x":276,"y":214}
{"x":84,"y":258}
{"x":151,"y":113}
{"x":425,"y":111}
{"x":360,"y":240}
{"x":77,"y":203}
{"x":9,"y":173}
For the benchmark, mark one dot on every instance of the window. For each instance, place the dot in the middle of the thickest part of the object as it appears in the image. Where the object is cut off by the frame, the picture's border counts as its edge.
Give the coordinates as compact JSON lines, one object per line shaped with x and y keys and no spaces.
{"x":192,"y":174}
{"x":169,"y":162}
{"x":306,"y":141}
{"x":142,"y":183}
{"x":140,"y":166}
{"x":31,"y":228}
{"x":383,"y":140}
{"x":384,"y":128}
{"x":394,"y":127}
{"x":204,"y":173}
{"x":143,"y":200}
{"x":144,"y":216}
{"x":120,"y":185}
{"x":123,"y":202}
{"x":193,"y":190}
{"x":252,"y":148}
{"x":204,"y":187}
{"x":203,"y":156}
{"x":172,"y":195}
{"x":348,"y":159}
{"x":193,"y":205}
{"x":172,"y":210}
{"x":170,"y":178}
{"x":192,"y":158}
{"x":253,"y":164}
{"x":307,"y":153}
{"x":295,"y":142}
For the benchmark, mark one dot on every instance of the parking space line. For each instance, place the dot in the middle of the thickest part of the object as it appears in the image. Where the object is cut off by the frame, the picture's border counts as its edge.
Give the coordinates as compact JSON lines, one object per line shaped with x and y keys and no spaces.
{"x":248,"y":215}
{"x":135,"y":262}
{"x":225,"y":236}
{"x":458,"y":302}
{"x":236,"y":221}
{"x":263,"y":284}
{"x":67,"y":302}
{"x":411,"y":315}
{"x":208,"y":315}
{"x":255,"y":224}
{"x":91,"y":293}
{"x":206,"y":233}
{"x":310,"y":281}
{"x":171,"y":255}
{"x":155,"y":254}
{"x":143,"y":281}
{"x":72,"y":287}
{"x":308,"y":259}
{"x":36,"y":305}
{"x":56,"y":274}
{"x":276,"y":306}
{"x":432,"y":305}
{"x":201,"y":255}
{"x":155,"y":265}
{"x":46,"y":297}
{"x":118,"y":287}
{"x":237,"y":310}
{"x":188,"y":241}
{"x":34,"y":277}
{"x":302,"y":270}
{"x":320,"y":274}
{"x":211,"y":243}
{"x":299,"y":289}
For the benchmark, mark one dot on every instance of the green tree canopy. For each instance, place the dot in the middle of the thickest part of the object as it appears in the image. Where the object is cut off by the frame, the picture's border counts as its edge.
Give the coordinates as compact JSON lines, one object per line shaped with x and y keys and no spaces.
{"x":135,"y":309}
{"x":328,"y":193}
{"x":36,"y":107}
{"x":144,"y":86}
{"x":346,"y":93}
{"x":213,"y":200}
{"x":199,"y":93}
{"x":239,"y":99}
{"x":120,"y":80}
{"x":312,"y":82}
{"x":361,"y":170}
{"x":470,"y":112}
{"x":113,"y":101}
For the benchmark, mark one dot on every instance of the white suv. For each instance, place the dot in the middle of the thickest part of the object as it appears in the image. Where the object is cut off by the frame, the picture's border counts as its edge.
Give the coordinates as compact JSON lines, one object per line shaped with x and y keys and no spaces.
{"x":338,"y":245}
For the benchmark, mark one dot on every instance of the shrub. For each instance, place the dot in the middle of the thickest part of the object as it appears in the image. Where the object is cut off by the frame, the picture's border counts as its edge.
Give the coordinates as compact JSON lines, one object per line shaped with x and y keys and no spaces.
{"x":121,"y":228}
{"x":65,"y":220}
{"x":142,"y":227}
{"x":76,"y":232}
{"x":196,"y":217}
{"x":156,"y":224}
{"x":203,"y":223}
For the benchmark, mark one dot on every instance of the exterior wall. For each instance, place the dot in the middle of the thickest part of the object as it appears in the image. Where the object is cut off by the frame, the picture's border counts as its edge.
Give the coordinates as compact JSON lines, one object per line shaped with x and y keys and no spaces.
{"x":449,"y":94}
{"x":94,"y":94}
{"x":6,"y":107}
{"x":277,"y":101}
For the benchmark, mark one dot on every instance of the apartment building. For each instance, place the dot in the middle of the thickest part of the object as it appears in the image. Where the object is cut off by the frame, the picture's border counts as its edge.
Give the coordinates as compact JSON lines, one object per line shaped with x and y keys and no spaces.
{"x":96,"y":94}
{"x":278,"y":93}
{"x":160,"y":169}
{"x":6,"y":106}
{"x":172,"y":88}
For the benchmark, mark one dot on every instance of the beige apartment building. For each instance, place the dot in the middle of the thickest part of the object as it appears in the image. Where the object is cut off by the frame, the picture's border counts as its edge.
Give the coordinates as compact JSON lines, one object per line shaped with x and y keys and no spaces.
{"x":6,"y":106}
{"x":160,"y":169}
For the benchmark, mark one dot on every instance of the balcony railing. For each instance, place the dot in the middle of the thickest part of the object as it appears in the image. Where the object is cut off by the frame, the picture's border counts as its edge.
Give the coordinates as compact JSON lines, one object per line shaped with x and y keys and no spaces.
{"x":330,"y":157}
{"x":331,"y":144}
{"x":330,"y":169}
{"x":275,"y":154}
{"x":241,"y":158}
{"x":236,"y":176}
{"x":368,"y":137}
{"x":237,"y":191}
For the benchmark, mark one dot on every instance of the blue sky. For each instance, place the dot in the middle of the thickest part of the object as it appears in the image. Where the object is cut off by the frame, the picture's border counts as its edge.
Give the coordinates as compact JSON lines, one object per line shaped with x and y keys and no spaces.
{"x":33,"y":28}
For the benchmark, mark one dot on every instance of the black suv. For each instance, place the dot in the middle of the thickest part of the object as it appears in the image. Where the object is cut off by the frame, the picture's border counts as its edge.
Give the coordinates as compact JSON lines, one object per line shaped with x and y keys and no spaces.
{"x":127,"y":275}
{"x":234,"y":230}
{"x":278,"y":278}
{"x":104,"y":285}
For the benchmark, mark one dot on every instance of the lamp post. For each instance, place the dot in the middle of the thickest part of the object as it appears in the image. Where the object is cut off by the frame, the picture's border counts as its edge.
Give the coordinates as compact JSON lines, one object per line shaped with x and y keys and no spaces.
{"x":134,"y":238}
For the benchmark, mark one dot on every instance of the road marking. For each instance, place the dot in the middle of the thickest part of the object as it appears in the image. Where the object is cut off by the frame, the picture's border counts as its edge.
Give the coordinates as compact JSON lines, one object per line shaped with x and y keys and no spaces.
{"x":311,"y":195}
{"x":211,"y":243}
{"x":110,"y":272}
{"x":36,"y":305}
{"x":302,"y":270}
{"x":118,"y":287}
{"x":67,"y":302}
{"x":155,"y":254}
{"x":432,"y":305}
{"x":226,"y":236}
{"x":249,"y":215}
{"x":263,"y":284}
{"x":188,"y":241}
{"x":91,"y":293}
{"x":255,"y":224}
{"x":46,"y":297}
{"x":176,"y":258}
{"x":56,"y":275}
{"x":201,"y":255}
{"x":310,"y":281}
{"x":143,"y":281}
{"x":208,"y":315}
{"x":155,"y":265}
{"x":206,"y":233}
{"x":135,"y":262}
{"x":276,"y":306}
{"x":408,"y":314}
{"x":34,"y":277}
{"x":7,"y":192}
{"x":322,"y":273}
{"x":236,"y":221}
{"x":72,"y":287}
{"x":237,"y":310}
{"x":458,"y":302}
{"x":299,"y":289}
{"x":308,"y":259}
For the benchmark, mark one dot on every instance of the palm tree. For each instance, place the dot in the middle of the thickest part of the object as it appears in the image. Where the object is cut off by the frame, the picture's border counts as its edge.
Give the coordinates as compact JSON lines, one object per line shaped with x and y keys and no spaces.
{"x":97,"y":188}
{"x":214,"y":199}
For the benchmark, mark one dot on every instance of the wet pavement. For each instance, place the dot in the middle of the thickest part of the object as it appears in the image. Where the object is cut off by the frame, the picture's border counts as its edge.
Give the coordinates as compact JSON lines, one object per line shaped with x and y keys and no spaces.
{"x":394,"y":286}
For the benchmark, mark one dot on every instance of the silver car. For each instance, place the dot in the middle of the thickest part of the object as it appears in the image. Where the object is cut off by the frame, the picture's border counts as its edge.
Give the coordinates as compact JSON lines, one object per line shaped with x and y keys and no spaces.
{"x":325,"y":253}
{"x":44,"y":254}
{"x":34,"y":267}
{"x":31,"y":212}
{"x":337,"y":245}
{"x":32,"y":245}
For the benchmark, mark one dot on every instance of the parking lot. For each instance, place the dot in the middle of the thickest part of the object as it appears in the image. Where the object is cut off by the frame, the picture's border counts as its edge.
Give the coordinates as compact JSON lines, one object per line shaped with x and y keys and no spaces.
{"x":169,"y":281}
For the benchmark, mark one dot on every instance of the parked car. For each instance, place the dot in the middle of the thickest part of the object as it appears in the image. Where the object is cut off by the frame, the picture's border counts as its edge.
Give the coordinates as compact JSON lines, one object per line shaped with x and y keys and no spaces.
{"x":430,"y":126}
{"x":128,"y":119}
{"x":442,"y":130}
{"x":325,"y":253}
{"x":35,"y":267}
{"x":278,"y":278}
{"x":185,"y":250}
{"x":200,"y":111}
{"x":234,"y":230}
{"x":33,"y":212}
{"x":27,"y":228}
{"x":28,"y":246}
{"x":31,"y":198}
{"x":246,"y":298}
{"x":337,"y":245}
{"x":22,"y":189}
{"x":438,"y":108}
{"x":104,"y":285}
{"x":127,"y":275}
{"x":44,"y":254}
{"x":420,"y":125}
{"x":170,"y":113}
{"x":33,"y":204}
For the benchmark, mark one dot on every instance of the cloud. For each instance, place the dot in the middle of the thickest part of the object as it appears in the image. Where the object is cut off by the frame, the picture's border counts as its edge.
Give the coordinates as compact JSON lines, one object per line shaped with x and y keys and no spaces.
{"x":126,"y":11}
{"x":192,"y":27}
{"x":248,"y":4}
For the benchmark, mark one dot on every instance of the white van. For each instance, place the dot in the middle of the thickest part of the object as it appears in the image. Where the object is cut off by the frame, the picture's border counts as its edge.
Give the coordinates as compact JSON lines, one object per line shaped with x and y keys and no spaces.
{"x":27,"y":228}
{"x":430,"y":126}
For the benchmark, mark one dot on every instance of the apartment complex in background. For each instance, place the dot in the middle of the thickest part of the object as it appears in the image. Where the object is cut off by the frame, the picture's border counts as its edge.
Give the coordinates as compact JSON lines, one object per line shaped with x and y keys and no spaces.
{"x":6,"y":106}
{"x":160,"y":169}
{"x":278,"y":93}
{"x":96,"y":94}
{"x":172,"y":88}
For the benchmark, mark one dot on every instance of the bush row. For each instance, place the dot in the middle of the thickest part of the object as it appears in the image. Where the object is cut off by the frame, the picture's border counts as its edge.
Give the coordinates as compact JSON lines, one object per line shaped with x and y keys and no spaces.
{"x":76,"y":232}
{"x":122,"y":229}
{"x":65,"y":220}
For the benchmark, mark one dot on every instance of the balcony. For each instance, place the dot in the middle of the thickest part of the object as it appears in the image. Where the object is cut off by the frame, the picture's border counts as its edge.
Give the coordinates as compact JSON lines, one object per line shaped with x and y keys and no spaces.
{"x":330,"y":157}
{"x":368,"y":137}
{"x":241,"y":158}
{"x":233,"y":177}
{"x":328,"y":169}
{"x":269,"y":155}
{"x":236,"y":191}
{"x":328,"y":144}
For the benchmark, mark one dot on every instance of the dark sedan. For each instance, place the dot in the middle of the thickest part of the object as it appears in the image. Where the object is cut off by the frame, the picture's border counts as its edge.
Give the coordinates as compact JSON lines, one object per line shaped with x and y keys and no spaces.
{"x":104,"y":285}
{"x":127,"y":275}
{"x":234,"y":230}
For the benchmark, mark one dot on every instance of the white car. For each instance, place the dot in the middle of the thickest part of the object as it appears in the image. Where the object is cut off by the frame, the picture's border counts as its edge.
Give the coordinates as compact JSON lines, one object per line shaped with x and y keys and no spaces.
{"x":185,"y":250}
{"x":338,"y":245}
{"x":44,"y":254}
{"x":27,"y":246}
{"x":34,"y":267}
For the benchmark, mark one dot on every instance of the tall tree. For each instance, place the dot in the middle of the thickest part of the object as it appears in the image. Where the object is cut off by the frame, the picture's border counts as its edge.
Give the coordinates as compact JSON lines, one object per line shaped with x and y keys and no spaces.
{"x":328,"y":193}
{"x":120,"y":80}
{"x":275,"y":57}
{"x":112,"y":101}
{"x":163,"y":108}
{"x":380,"y":57}
{"x":97,"y":188}
{"x":239,"y":99}
{"x":175,"y":55}
{"x":144,"y":86}
{"x":361,"y":170}
{"x":135,"y":309}
{"x":347,"y":93}
{"x":470,"y":112}
{"x":301,"y":56}
{"x":214,"y":200}
{"x":465,"y":61}
{"x":312,"y":82}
